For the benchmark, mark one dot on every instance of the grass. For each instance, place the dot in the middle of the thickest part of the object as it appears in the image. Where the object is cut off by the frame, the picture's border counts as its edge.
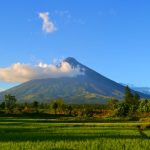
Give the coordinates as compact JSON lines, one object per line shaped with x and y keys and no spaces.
{"x":51,"y":134}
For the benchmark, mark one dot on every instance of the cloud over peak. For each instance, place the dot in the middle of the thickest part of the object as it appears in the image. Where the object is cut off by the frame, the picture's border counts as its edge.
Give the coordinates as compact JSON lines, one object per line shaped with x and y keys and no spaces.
{"x":48,"y":26}
{"x":19,"y":73}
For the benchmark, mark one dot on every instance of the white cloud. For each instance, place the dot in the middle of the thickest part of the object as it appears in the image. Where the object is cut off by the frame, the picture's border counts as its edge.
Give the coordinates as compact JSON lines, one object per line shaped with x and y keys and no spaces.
{"x":19,"y":73}
{"x":2,"y":89}
{"x":48,"y":26}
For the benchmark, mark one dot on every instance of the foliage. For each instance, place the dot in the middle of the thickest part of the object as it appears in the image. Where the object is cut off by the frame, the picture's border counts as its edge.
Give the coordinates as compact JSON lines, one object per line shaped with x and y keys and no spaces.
{"x":131,"y":106}
{"x":144,"y":106}
{"x":69,"y":108}
{"x":122,"y":109}
{"x":55,"y":107}
{"x":10,"y":103}
{"x":112,"y":104}
{"x":2,"y":105}
{"x":130,"y":98}
{"x":36,"y":105}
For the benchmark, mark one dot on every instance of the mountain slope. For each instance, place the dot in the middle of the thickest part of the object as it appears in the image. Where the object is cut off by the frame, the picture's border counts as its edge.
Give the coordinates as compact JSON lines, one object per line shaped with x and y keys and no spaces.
{"x":145,"y":90}
{"x":91,"y":87}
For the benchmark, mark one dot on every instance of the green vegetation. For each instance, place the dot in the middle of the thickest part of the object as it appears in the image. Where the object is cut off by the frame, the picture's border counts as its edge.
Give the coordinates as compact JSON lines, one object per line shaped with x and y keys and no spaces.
{"x":10,"y":102}
{"x":56,"y":125}
{"x":46,"y":134}
{"x":131,"y":107}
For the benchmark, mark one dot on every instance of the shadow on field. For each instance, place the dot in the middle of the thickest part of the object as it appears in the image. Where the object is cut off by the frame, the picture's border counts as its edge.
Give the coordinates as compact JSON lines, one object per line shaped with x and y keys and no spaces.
{"x":18,"y":130}
{"x":48,"y":118}
{"x":60,"y":149}
{"x":25,"y":116}
{"x":19,"y":136}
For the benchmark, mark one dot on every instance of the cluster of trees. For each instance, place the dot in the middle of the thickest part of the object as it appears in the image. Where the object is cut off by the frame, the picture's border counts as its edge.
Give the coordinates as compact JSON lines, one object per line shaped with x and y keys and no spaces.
{"x":130,"y":106}
{"x":10,"y":106}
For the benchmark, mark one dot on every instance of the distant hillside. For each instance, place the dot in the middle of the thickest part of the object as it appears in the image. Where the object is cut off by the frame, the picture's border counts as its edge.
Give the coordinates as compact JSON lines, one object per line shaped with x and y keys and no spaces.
{"x":145,"y":90}
{"x":91,"y":87}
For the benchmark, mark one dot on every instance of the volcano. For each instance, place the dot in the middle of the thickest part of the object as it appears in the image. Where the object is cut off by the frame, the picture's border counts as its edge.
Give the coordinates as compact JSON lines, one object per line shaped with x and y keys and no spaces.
{"x":88,"y":87}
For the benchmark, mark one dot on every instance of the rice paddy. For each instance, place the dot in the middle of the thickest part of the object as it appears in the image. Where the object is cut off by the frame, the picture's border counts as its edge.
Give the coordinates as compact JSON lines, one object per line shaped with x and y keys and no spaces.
{"x":47,"y":134}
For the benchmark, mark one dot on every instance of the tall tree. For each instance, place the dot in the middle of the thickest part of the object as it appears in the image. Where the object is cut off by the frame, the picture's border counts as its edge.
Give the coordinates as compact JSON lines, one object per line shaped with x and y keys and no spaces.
{"x":10,"y":103}
{"x":60,"y":103}
{"x":136,"y":98}
{"x":70,"y":109}
{"x":55,"y":107}
{"x":128,"y":96}
{"x":35,"y":106}
{"x":2,"y":105}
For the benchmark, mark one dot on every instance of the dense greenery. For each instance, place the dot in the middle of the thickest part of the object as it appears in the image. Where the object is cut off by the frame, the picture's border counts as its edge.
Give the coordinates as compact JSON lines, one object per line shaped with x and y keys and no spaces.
{"x":115,"y":125}
{"x":53,"y":133}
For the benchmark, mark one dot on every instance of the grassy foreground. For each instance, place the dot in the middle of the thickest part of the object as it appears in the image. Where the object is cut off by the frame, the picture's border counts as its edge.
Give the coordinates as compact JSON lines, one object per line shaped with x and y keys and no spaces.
{"x":46,"y":134}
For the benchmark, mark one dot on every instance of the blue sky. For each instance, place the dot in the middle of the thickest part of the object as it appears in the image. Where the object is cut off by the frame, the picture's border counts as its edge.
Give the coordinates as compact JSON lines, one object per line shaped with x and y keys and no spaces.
{"x":112,"y":37}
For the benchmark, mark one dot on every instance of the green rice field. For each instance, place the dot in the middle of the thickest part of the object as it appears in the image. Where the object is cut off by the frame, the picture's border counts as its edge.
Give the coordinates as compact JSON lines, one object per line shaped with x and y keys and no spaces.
{"x":47,"y":134}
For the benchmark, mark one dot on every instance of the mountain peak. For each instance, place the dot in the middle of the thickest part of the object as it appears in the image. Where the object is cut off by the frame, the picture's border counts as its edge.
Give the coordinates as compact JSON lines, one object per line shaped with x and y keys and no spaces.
{"x":72,"y":61}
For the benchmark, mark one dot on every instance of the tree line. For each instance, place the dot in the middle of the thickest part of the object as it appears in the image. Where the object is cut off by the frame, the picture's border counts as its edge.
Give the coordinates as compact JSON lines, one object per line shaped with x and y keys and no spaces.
{"x":130,"y":106}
